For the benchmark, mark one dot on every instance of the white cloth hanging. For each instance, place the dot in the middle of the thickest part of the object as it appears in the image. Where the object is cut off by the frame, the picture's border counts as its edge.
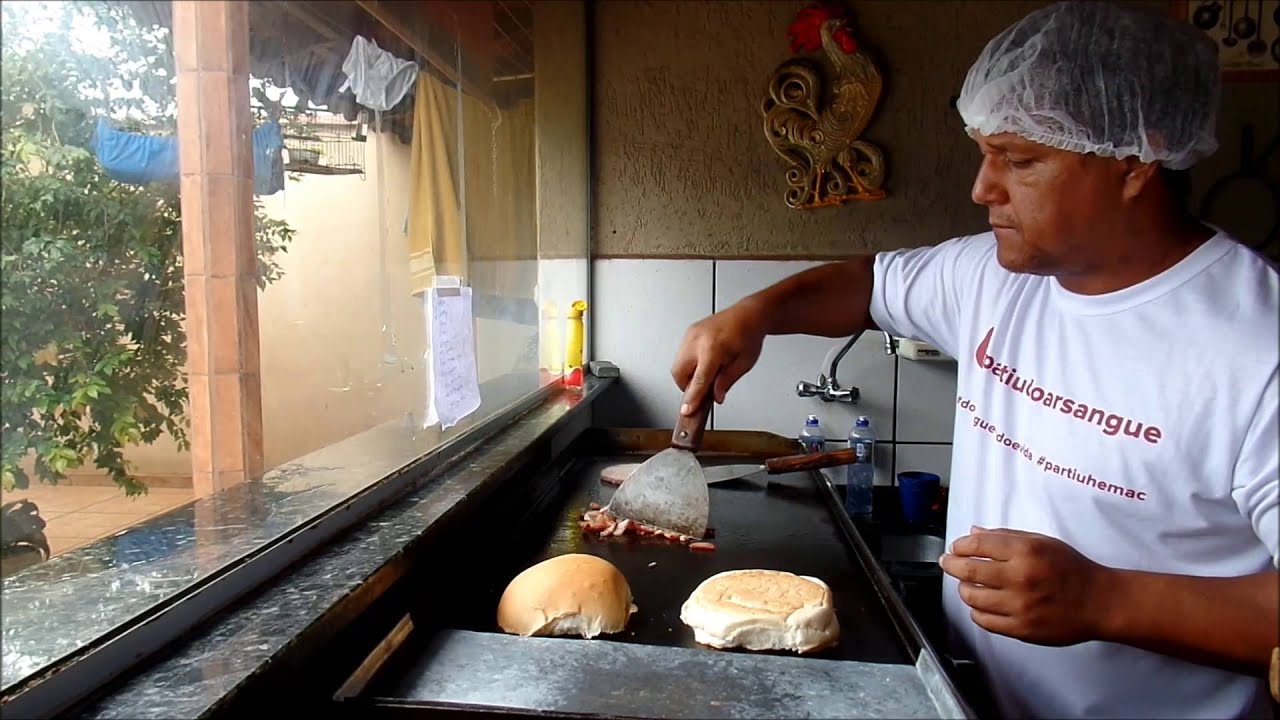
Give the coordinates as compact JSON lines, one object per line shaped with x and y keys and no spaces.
{"x":379,"y":79}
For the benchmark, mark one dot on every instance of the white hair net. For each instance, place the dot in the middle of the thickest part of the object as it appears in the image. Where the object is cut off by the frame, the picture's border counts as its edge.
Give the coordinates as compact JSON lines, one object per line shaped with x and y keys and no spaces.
{"x":1093,"y":77}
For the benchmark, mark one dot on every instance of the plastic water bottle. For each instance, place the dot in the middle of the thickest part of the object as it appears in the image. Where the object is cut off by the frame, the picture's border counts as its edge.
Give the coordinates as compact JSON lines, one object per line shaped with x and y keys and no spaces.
{"x":862,"y":472}
{"x":811,"y":436}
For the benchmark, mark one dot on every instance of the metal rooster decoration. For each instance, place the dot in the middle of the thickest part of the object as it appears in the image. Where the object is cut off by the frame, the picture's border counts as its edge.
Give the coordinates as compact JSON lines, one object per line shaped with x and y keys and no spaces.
{"x":817,"y":108}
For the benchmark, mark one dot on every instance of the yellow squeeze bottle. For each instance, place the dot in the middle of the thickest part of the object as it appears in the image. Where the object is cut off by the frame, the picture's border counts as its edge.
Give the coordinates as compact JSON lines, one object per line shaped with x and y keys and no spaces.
{"x":576,"y":335}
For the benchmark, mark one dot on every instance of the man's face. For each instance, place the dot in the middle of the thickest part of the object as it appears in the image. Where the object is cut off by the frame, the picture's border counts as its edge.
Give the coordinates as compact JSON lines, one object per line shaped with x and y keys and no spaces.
{"x":1048,"y":207}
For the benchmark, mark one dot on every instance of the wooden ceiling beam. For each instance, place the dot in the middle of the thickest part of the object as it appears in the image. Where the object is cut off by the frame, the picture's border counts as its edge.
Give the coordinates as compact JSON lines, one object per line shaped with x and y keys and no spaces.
{"x":311,"y":20}
{"x":416,"y":40}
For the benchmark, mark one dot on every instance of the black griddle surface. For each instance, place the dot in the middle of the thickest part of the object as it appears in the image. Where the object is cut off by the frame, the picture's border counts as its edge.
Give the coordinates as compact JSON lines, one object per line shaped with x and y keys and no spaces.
{"x":787,"y":527}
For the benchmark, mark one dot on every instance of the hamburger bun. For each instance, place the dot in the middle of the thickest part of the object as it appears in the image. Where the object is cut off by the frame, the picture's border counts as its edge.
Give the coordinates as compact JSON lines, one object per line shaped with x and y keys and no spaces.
{"x":572,"y":594}
{"x":762,"y":610}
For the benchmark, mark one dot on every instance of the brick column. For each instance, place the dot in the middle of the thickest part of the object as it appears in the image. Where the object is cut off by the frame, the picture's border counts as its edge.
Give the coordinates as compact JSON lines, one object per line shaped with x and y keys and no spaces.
{"x":211,"y":44}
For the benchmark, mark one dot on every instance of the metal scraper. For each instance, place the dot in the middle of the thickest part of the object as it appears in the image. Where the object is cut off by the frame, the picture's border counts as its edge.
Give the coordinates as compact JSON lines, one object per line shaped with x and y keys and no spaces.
{"x":669,"y":490}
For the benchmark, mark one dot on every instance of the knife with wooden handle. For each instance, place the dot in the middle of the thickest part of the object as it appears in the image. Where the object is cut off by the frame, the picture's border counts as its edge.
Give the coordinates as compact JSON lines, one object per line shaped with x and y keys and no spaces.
{"x":780,"y":465}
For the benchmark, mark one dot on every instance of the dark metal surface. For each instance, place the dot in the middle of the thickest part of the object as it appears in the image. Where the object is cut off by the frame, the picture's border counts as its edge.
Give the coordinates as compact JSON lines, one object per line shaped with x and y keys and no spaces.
{"x":779,"y":526}
{"x":603,"y":679}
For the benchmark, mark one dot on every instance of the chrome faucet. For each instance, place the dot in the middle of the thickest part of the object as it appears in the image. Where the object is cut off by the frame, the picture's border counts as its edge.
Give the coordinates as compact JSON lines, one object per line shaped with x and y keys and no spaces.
{"x":890,"y":345}
{"x":828,"y":388}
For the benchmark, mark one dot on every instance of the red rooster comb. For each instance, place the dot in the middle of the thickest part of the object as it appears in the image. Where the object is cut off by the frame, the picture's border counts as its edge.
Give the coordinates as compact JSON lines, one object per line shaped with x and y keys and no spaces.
{"x":806,"y":30}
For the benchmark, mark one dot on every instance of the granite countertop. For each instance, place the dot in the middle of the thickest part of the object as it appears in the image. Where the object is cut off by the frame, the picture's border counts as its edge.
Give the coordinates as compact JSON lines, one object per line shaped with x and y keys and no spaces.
{"x":96,"y":589}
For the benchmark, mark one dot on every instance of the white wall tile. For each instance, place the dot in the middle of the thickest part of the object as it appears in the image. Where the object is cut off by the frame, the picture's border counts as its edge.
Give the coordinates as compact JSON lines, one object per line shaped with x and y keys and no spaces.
{"x":765,"y":399}
{"x":926,"y":401}
{"x":561,"y":281}
{"x":928,"y":458}
{"x":641,"y":311}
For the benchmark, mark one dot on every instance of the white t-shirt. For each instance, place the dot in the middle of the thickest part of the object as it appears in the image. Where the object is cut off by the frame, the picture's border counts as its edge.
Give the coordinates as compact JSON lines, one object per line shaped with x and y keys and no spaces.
{"x":1139,"y":426}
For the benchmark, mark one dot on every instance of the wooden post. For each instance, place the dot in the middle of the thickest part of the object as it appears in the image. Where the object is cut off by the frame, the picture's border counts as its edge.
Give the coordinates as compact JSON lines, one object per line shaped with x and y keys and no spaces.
{"x":211,"y":44}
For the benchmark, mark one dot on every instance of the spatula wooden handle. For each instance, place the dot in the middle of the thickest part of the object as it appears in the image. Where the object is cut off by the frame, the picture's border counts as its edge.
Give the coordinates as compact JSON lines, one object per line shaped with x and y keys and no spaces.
{"x":810,"y":461}
{"x":689,"y":428}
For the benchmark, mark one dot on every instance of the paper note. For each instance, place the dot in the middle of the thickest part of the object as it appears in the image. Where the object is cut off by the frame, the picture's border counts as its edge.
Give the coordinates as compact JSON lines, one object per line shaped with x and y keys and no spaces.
{"x":455,"y":387}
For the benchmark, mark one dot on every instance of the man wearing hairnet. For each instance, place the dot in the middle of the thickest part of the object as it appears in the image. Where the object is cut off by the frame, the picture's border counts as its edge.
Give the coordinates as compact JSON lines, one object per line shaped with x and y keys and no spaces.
{"x":1112,"y":523}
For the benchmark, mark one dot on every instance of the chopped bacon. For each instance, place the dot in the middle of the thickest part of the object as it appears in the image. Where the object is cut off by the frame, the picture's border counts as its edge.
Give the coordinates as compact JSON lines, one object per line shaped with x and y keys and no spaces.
{"x":598,"y":522}
{"x":601,"y":523}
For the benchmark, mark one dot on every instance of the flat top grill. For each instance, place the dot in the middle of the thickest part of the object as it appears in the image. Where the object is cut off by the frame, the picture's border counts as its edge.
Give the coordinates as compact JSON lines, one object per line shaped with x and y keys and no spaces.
{"x":455,"y":659}
{"x":784,"y":526}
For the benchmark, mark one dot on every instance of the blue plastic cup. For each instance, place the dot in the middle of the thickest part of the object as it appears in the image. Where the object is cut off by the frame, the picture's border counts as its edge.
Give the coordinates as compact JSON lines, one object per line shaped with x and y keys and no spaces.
{"x":919,"y":492}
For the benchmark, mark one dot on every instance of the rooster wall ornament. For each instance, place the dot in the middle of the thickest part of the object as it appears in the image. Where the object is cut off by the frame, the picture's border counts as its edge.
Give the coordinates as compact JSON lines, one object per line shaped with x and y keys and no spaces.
{"x":817,"y":108}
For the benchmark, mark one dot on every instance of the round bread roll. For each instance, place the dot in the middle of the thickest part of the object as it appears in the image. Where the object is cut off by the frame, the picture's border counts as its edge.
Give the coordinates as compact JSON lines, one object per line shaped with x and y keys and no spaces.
{"x":574,"y":594}
{"x":618,"y":474}
{"x":762,"y":610}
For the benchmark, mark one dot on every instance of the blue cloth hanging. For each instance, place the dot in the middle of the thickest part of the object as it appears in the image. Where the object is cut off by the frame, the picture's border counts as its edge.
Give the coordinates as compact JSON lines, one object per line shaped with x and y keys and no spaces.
{"x":268,"y":159}
{"x":133,"y":158}
{"x":139,"y":159}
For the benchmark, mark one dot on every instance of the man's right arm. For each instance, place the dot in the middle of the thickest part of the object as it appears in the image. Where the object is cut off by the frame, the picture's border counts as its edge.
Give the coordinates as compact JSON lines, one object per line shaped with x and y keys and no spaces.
{"x":919,"y":293}
{"x":832,"y":300}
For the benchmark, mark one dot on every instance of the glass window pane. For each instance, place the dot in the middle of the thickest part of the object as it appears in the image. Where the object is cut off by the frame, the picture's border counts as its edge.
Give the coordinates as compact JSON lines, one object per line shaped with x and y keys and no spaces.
{"x":92,"y":305}
{"x":125,"y":478}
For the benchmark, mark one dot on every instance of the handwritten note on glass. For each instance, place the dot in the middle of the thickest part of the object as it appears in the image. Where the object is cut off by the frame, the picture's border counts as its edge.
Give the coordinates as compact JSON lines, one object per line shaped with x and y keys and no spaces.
{"x":455,"y":387}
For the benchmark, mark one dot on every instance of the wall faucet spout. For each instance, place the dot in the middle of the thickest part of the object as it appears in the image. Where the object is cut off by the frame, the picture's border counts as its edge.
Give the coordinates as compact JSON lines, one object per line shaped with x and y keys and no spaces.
{"x":828,"y":387}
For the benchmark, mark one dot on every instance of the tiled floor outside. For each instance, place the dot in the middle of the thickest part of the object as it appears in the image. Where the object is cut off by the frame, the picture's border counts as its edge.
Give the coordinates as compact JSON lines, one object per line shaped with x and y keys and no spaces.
{"x":79,"y":514}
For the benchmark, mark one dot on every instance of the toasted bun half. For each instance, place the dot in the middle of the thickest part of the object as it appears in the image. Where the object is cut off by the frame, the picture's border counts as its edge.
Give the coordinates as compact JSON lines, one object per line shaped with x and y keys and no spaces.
{"x":574,"y":594}
{"x":762,"y":610}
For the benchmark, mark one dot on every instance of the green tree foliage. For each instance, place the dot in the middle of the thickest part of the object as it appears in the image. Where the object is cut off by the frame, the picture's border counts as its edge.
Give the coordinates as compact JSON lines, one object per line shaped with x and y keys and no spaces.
{"x":92,"y":348}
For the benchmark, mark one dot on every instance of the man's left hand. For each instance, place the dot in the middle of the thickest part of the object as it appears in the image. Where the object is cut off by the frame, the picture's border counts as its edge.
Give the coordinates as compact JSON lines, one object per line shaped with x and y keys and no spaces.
{"x":1028,"y":586}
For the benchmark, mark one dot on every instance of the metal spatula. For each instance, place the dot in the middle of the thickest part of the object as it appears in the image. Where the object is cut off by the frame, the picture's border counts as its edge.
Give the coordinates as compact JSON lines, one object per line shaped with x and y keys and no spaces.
{"x":669,"y":490}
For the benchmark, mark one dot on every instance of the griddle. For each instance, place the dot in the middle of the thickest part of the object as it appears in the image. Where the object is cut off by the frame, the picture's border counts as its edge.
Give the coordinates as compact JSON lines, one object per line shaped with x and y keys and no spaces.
{"x":456,"y":659}
{"x":780,"y":527}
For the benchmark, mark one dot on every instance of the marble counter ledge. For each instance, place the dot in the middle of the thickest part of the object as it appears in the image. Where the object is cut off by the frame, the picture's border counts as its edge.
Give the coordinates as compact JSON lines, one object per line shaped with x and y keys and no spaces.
{"x":197,"y":676}
{"x":67,"y":604}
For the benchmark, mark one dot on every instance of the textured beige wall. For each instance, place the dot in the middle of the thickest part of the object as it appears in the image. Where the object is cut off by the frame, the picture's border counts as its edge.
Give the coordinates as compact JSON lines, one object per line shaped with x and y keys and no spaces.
{"x":682,"y":167}
{"x":323,"y":375}
{"x":560,"y":92}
